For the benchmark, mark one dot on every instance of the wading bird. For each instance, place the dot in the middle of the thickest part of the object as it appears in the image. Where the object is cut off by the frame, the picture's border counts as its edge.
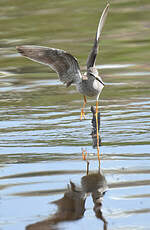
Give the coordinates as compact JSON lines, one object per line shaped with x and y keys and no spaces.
{"x":67,"y":67}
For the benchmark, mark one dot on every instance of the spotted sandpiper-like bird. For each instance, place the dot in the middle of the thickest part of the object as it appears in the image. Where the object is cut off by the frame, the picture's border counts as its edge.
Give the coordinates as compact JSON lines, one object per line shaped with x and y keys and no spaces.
{"x":67,"y":67}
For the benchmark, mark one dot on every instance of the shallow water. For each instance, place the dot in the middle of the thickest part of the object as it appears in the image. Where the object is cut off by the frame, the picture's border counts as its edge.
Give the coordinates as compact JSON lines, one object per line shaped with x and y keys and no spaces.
{"x":41,"y":136}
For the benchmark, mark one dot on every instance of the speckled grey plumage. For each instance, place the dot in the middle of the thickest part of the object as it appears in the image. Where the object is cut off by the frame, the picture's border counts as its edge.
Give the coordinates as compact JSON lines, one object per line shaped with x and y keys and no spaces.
{"x":67,"y":67}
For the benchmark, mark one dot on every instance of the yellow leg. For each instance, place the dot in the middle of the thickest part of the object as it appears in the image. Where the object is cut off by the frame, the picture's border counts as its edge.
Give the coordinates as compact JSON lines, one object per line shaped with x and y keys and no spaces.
{"x":97,"y":133}
{"x":82,"y":110}
{"x":84,"y":154}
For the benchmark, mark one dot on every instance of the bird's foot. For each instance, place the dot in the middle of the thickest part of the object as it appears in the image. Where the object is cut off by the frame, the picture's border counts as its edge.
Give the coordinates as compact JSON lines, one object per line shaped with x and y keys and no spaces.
{"x":84,"y":154}
{"x":82,"y":115}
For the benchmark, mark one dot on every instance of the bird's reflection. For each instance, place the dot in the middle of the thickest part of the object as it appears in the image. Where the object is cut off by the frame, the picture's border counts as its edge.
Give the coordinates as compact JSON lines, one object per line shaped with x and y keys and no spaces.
{"x":96,"y":185}
{"x":71,"y":206}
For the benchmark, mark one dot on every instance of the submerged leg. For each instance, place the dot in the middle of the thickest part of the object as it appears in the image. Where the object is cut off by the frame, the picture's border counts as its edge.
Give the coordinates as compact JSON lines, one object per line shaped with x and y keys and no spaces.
{"x":82,"y":110}
{"x":97,"y":132}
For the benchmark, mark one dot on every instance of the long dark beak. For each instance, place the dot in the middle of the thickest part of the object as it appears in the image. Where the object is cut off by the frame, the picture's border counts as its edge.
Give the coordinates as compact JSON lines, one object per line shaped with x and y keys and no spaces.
{"x":98,"y":79}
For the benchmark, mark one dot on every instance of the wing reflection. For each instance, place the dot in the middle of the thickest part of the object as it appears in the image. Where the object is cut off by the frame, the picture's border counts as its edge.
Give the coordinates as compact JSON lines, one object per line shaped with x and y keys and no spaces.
{"x":94,"y":133}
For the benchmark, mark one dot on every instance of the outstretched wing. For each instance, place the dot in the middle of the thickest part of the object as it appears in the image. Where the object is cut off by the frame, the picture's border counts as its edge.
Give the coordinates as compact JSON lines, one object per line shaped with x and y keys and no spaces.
{"x":92,"y":56}
{"x":61,"y":62}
